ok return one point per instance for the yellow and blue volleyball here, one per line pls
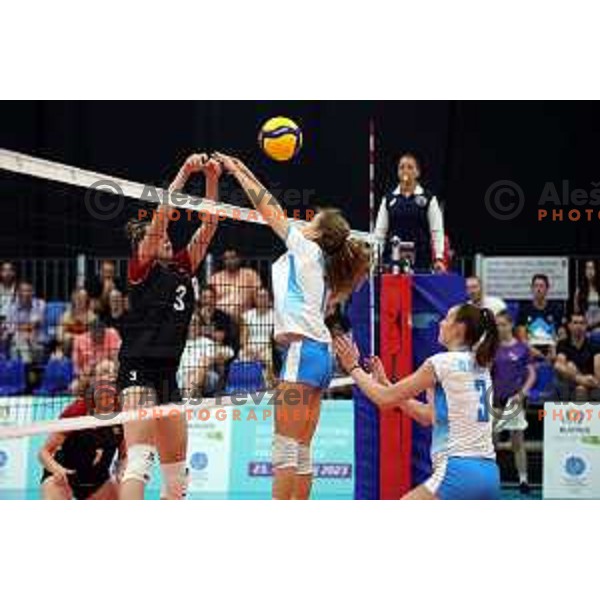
(280, 138)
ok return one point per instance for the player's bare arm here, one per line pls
(201, 239)
(264, 202)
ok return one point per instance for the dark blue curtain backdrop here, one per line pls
(465, 147)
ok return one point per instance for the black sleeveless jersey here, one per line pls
(89, 452)
(161, 303)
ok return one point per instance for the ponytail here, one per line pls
(347, 260)
(488, 345)
(481, 333)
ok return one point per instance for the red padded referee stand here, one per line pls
(396, 354)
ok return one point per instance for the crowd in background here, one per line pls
(233, 320)
(563, 335)
(549, 351)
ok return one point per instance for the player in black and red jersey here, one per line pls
(77, 464)
(161, 303)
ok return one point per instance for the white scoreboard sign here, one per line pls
(571, 450)
(510, 276)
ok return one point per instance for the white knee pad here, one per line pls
(285, 452)
(305, 466)
(140, 458)
(175, 477)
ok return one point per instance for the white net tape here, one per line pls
(257, 398)
(16, 162)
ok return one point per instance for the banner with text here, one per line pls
(509, 277)
(571, 451)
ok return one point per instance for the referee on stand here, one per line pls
(411, 214)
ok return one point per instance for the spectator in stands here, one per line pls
(99, 343)
(25, 325)
(8, 288)
(58, 371)
(202, 362)
(101, 286)
(236, 286)
(476, 297)
(578, 363)
(513, 376)
(116, 309)
(75, 320)
(539, 321)
(413, 215)
(56, 350)
(587, 297)
(216, 324)
(257, 333)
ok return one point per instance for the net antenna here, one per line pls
(372, 319)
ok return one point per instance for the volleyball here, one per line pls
(280, 138)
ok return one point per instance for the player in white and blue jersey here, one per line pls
(459, 389)
(322, 265)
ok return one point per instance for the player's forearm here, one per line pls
(157, 230)
(382, 395)
(422, 413)
(180, 179)
(202, 238)
(47, 460)
(260, 197)
(201, 241)
(212, 187)
(160, 220)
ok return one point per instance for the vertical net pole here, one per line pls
(372, 231)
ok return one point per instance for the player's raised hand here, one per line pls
(347, 352)
(213, 168)
(377, 370)
(229, 163)
(195, 163)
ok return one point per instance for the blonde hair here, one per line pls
(347, 260)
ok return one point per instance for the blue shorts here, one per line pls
(465, 478)
(308, 361)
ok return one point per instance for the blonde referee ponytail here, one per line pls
(347, 260)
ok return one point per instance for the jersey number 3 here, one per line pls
(483, 414)
(180, 292)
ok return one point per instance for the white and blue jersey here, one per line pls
(462, 450)
(300, 299)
